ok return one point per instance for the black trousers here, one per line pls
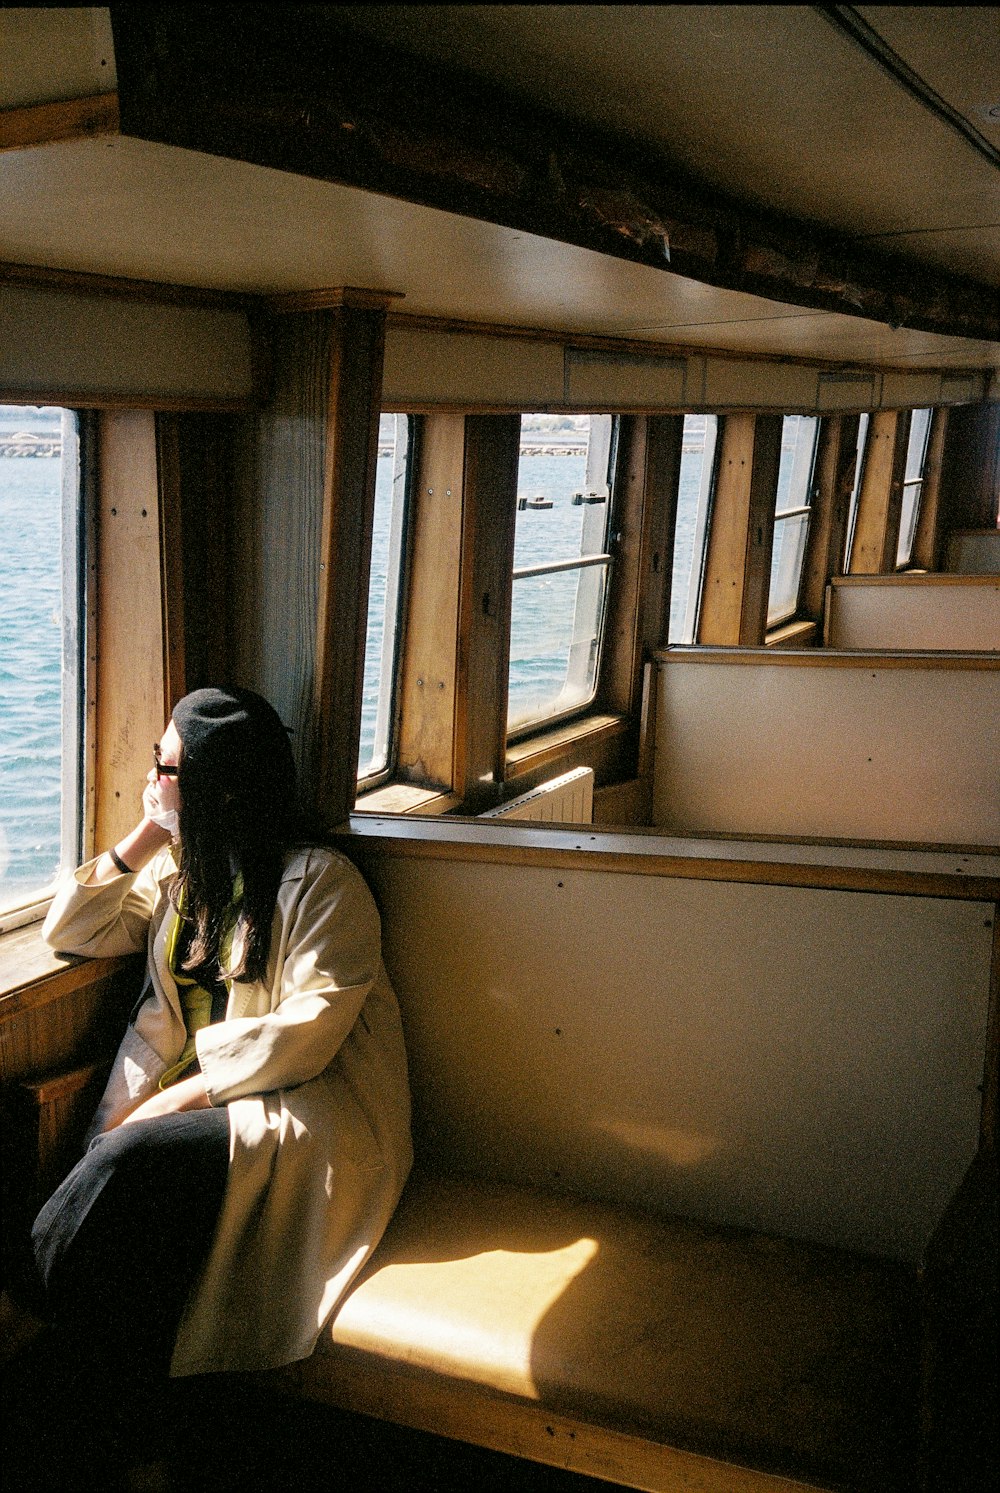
(109, 1263)
(118, 1244)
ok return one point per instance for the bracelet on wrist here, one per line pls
(125, 870)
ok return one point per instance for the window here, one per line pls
(562, 565)
(913, 481)
(40, 652)
(791, 515)
(384, 595)
(859, 467)
(694, 501)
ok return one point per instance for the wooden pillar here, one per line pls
(131, 704)
(301, 520)
(196, 471)
(926, 552)
(355, 324)
(491, 461)
(880, 502)
(835, 460)
(430, 641)
(738, 565)
(171, 558)
(645, 519)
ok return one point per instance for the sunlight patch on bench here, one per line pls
(443, 1316)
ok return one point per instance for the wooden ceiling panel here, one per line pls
(966, 251)
(771, 103)
(768, 102)
(954, 48)
(124, 207)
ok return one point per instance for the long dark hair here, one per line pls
(239, 816)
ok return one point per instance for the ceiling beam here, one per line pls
(290, 88)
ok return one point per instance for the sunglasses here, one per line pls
(163, 769)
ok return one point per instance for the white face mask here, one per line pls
(169, 821)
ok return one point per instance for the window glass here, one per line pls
(694, 500)
(384, 588)
(40, 669)
(561, 565)
(916, 453)
(859, 466)
(791, 514)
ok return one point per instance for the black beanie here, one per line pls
(229, 734)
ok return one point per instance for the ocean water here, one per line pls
(30, 672)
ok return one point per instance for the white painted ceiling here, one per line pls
(768, 102)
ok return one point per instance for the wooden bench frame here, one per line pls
(468, 1412)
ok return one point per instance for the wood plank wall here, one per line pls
(131, 705)
(824, 557)
(430, 642)
(277, 518)
(880, 501)
(737, 566)
(971, 468)
(66, 1018)
(491, 463)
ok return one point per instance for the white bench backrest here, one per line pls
(918, 612)
(828, 745)
(974, 552)
(795, 1060)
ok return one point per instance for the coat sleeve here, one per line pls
(331, 959)
(106, 919)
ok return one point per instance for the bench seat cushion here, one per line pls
(781, 1355)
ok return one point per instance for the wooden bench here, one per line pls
(854, 745)
(652, 1352)
(960, 613)
(668, 1230)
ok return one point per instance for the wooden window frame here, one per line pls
(77, 814)
(880, 500)
(428, 652)
(918, 483)
(604, 733)
(453, 747)
(925, 553)
(605, 559)
(809, 508)
(372, 781)
(733, 611)
(132, 608)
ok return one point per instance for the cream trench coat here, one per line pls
(311, 1066)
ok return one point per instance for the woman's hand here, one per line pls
(160, 796)
(161, 800)
(190, 1093)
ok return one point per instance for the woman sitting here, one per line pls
(253, 1139)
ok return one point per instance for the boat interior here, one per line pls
(697, 952)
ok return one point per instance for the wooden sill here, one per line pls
(32, 974)
(406, 798)
(965, 873)
(799, 634)
(535, 751)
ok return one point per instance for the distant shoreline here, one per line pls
(23, 444)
